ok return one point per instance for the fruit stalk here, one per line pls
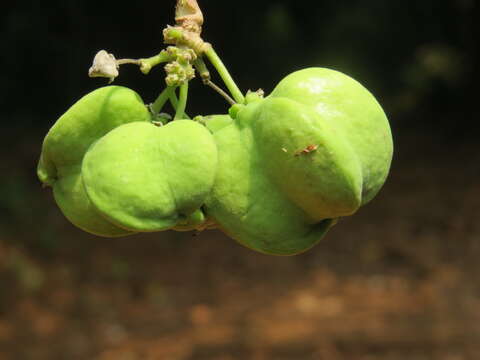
(218, 64)
(182, 102)
(158, 104)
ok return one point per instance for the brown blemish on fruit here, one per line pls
(306, 150)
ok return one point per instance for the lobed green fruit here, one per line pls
(248, 206)
(275, 175)
(147, 178)
(353, 114)
(65, 145)
(316, 149)
(326, 181)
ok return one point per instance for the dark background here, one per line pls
(399, 280)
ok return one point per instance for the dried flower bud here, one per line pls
(183, 55)
(177, 73)
(104, 65)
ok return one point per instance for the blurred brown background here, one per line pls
(399, 280)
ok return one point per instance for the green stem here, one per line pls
(174, 102)
(147, 64)
(225, 75)
(201, 68)
(182, 102)
(157, 106)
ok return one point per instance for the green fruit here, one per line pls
(353, 112)
(331, 140)
(275, 174)
(316, 149)
(148, 178)
(326, 181)
(65, 145)
(248, 206)
(215, 122)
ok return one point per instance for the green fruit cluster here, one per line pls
(274, 174)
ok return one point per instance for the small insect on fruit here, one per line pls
(306, 150)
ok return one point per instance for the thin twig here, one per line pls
(128, 61)
(220, 91)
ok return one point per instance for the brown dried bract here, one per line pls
(189, 16)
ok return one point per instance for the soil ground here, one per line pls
(399, 280)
